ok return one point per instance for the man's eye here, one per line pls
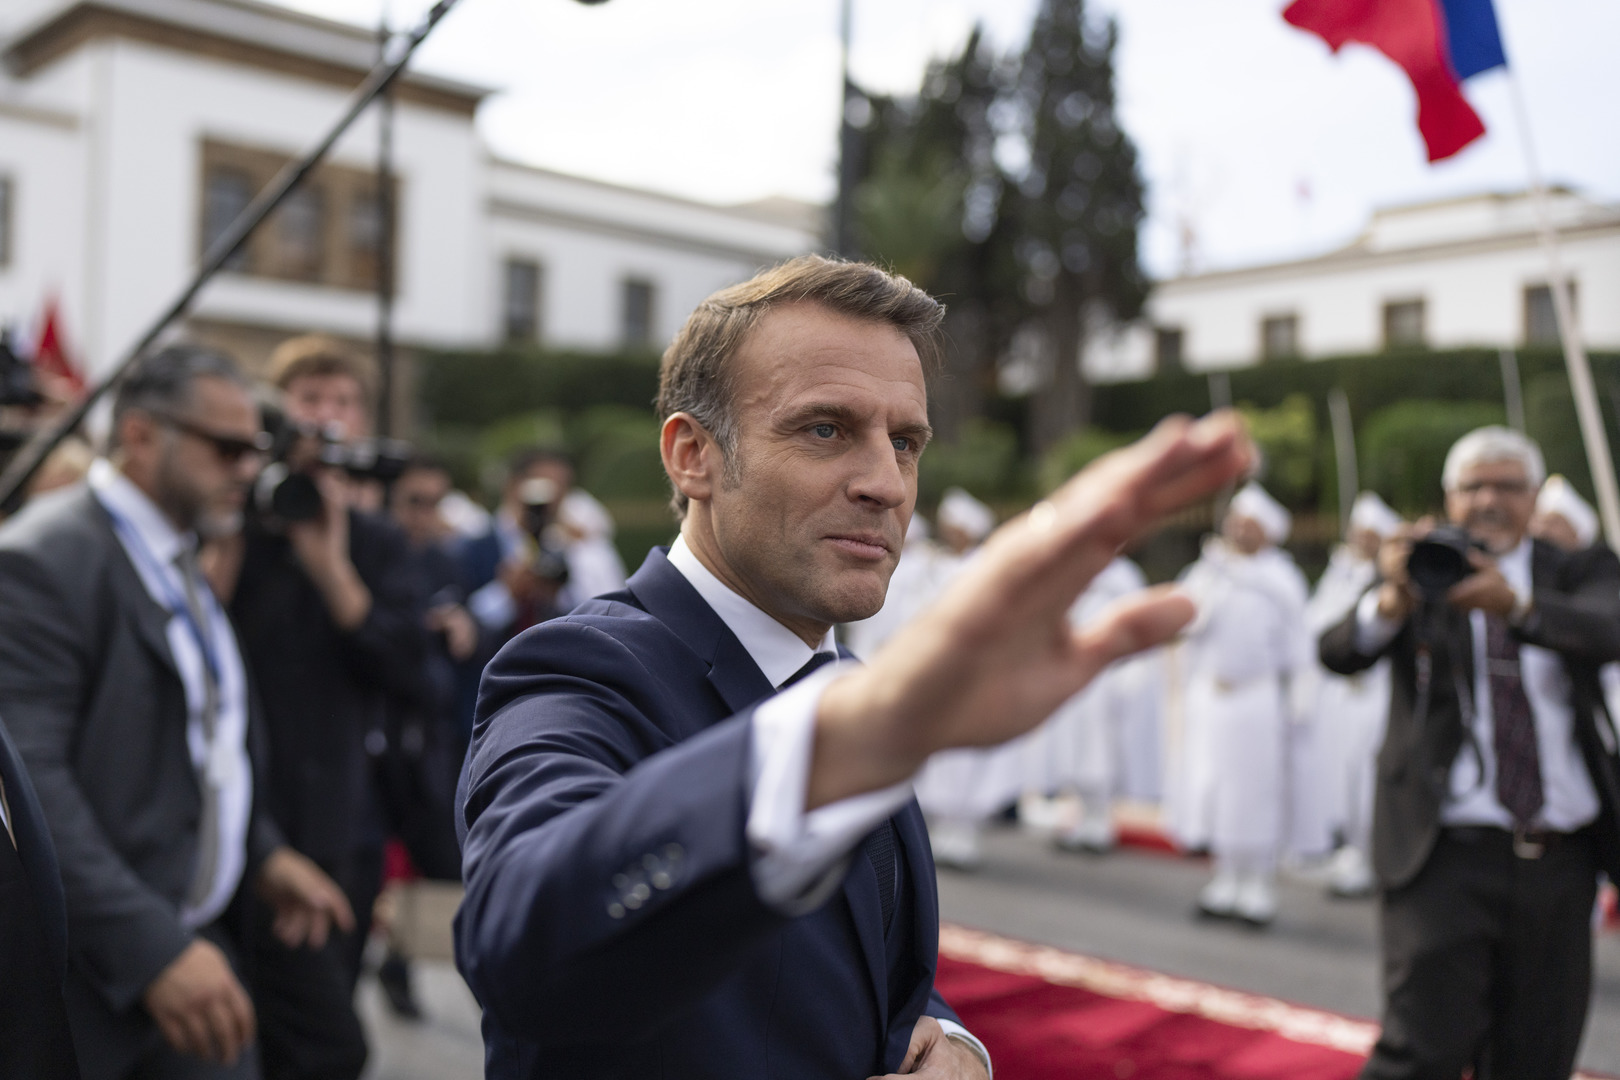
(824, 431)
(901, 443)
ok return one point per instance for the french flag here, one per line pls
(1439, 43)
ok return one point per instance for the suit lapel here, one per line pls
(36, 851)
(150, 620)
(667, 596)
(866, 911)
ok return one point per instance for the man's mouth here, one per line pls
(861, 545)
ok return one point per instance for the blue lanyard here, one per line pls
(175, 605)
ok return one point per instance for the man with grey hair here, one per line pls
(1498, 796)
(126, 694)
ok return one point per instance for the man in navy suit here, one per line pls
(34, 1037)
(685, 854)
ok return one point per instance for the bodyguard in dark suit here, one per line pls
(1498, 797)
(34, 1037)
(126, 695)
(690, 853)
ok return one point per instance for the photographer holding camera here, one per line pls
(329, 610)
(1498, 795)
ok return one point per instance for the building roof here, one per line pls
(1486, 221)
(240, 31)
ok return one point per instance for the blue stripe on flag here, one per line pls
(1471, 31)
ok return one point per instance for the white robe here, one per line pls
(1081, 746)
(1228, 789)
(968, 785)
(1348, 713)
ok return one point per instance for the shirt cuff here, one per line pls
(957, 1033)
(1373, 631)
(799, 857)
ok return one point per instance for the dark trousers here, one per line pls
(1487, 961)
(308, 1028)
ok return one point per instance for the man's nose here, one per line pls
(878, 478)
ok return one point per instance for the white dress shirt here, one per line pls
(800, 857)
(1570, 800)
(153, 544)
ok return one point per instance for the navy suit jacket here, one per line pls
(37, 854)
(611, 926)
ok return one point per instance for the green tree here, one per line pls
(1403, 448)
(930, 208)
(1078, 207)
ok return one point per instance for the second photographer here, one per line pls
(1498, 791)
(328, 608)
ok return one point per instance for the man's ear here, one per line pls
(691, 456)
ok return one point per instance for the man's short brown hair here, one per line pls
(319, 355)
(695, 375)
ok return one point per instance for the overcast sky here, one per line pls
(1252, 135)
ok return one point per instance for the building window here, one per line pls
(1403, 325)
(6, 199)
(520, 315)
(226, 193)
(1279, 337)
(1540, 319)
(365, 236)
(637, 317)
(1167, 345)
(299, 235)
(328, 231)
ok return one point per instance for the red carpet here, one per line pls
(1047, 1014)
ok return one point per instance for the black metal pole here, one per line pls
(14, 481)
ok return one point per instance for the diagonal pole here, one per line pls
(14, 481)
(1593, 435)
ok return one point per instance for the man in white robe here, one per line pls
(960, 789)
(1080, 749)
(1247, 643)
(1349, 713)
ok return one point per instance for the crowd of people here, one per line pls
(242, 662)
(236, 657)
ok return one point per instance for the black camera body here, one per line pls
(1440, 560)
(289, 493)
(539, 498)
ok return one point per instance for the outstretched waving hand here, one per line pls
(997, 653)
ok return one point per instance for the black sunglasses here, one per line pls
(229, 448)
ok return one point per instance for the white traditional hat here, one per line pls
(960, 510)
(1558, 496)
(1254, 503)
(580, 511)
(1372, 513)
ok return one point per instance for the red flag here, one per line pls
(1413, 34)
(51, 361)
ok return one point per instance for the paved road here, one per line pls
(1132, 907)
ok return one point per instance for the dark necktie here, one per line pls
(880, 845)
(811, 666)
(1518, 760)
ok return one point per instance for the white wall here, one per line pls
(1474, 295)
(590, 237)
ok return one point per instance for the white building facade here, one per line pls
(132, 131)
(1463, 272)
